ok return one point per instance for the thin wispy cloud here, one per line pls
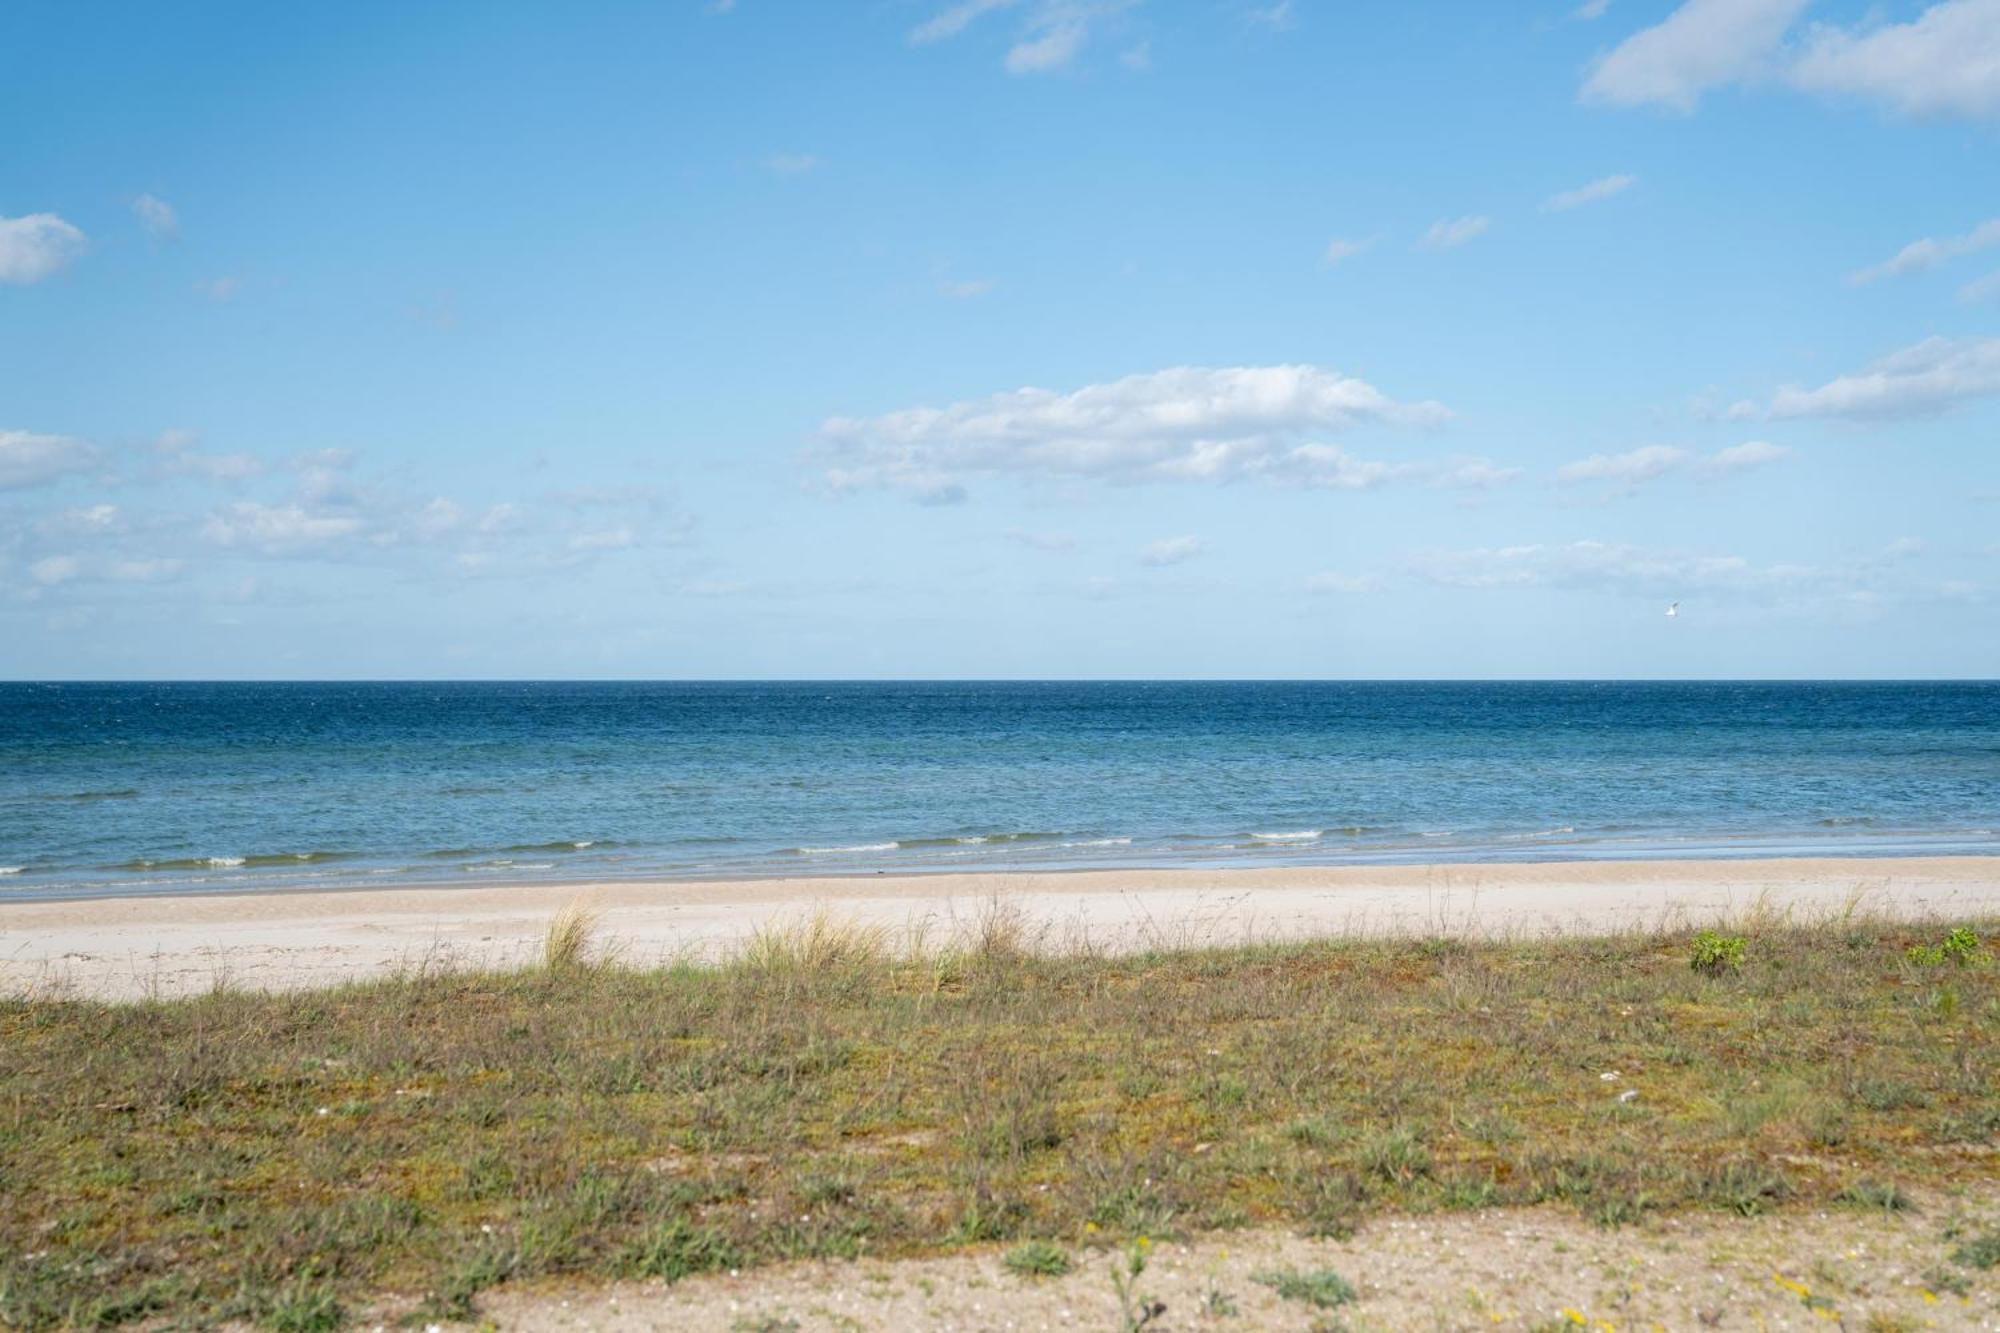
(1450, 233)
(964, 289)
(37, 246)
(1170, 551)
(947, 23)
(1050, 36)
(1626, 472)
(1339, 250)
(1920, 380)
(791, 164)
(1335, 583)
(1590, 10)
(1929, 253)
(1277, 17)
(1981, 289)
(157, 216)
(1602, 188)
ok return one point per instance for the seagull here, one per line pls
(1673, 610)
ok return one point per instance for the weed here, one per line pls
(1135, 1310)
(1037, 1258)
(674, 1250)
(566, 947)
(1715, 953)
(1878, 1196)
(1322, 1288)
(1981, 1251)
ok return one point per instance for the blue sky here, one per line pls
(1044, 338)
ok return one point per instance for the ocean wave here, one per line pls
(834, 851)
(1303, 835)
(121, 794)
(260, 861)
(562, 846)
(11, 870)
(1542, 833)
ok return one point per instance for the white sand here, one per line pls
(124, 948)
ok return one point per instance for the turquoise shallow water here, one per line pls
(110, 789)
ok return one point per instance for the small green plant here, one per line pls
(1321, 1288)
(1981, 1251)
(303, 1307)
(1716, 953)
(1135, 1310)
(1037, 1258)
(1961, 946)
(1397, 1156)
(673, 1250)
(1877, 1195)
(1217, 1303)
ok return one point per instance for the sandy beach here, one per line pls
(136, 947)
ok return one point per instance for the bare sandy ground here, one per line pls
(1522, 1269)
(134, 947)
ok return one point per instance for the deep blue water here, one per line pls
(134, 788)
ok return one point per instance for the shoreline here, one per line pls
(134, 947)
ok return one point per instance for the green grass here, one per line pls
(284, 1160)
(1322, 1288)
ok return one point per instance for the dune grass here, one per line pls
(403, 1145)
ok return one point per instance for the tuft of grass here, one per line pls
(566, 947)
(1980, 1250)
(1876, 1195)
(306, 1306)
(1715, 953)
(1321, 1288)
(817, 947)
(1037, 1258)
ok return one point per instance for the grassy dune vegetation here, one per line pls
(403, 1145)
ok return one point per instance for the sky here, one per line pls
(1000, 338)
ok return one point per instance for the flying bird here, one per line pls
(1674, 610)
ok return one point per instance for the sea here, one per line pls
(117, 789)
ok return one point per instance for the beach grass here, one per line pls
(396, 1148)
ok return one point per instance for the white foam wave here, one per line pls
(863, 847)
(1099, 842)
(11, 870)
(224, 862)
(1303, 835)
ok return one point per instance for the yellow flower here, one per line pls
(1574, 1317)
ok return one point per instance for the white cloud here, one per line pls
(605, 539)
(965, 289)
(1946, 61)
(28, 459)
(1277, 17)
(1589, 10)
(951, 22)
(791, 164)
(1626, 469)
(1602, 188)
(1170, 551)
(36, 246)
(1925, 378)
(157, 216)
(1190, 423)
(1703, 44)
(1051, 37)
(54, 569)
(287, 529)
(1450, 233)
(1749, 454)
(1470, 474)
(1620, 568)
(183, 459)
(1334, 582)
(1981, 289)
(1042, 541)
(1338, 249)
(1054, 45)
(1929, 252)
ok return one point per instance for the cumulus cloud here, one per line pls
(157, 216)
(1749, 454)
(181, 457)
(1602, 188)
(1170, 551)
(1450, 233)
(1930, 252)
(28, 459)
(37, 246)
(1702, 45)
(1917, 381)
(1190, 423)
(1945, 62)
(286, 529)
